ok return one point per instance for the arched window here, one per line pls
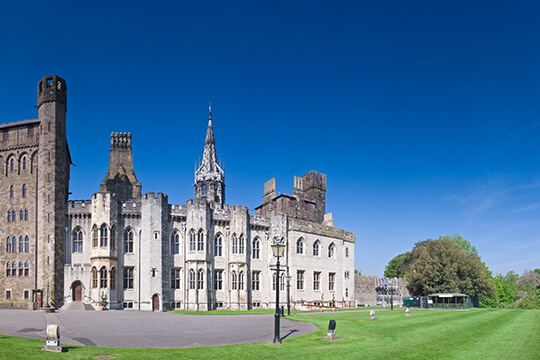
(21, 244)
(300, 246)
(26, 269)
(241, 281)
(241, 243)
(175, 242)
(21, 215)
(12, 164)
(192, 279)
(200, 240)
(13, 215)
(94, 278)
(8, 269)
(128, 241)
(316, 246)
(8, 245)
(24, 190)
(94, 236)
(11, 192)
(9, 215)
(103, 278)
(26, 214)
(218, 243)
(234, 244)
(282, 282)
(347, 274)
(103, 235)
(256, 248)
(77, 240)
(346, 252)
(14, 268)
(331, 250)
(26, 244)
(200, 279)
(21, 273)
(113, 278)
(113, 237)
(24, 162)
(192, 241)
(234, 280)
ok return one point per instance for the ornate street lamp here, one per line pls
(289, 277)
(278, 247)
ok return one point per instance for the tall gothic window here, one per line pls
(256, 248)
(94, 236)
(234, 280)
(218, 243)
(112, 276)
(24, 162)
(331, 281)
(8, 245)
(316, 246)
(331, 250)
(26, 269)
(234, 244)
(200, 279)
(11, 191)
(241, 281)
(103, 278)
(77, 240)
(192, 241)
(175, 242)
(103, 235)
(200, 240)
(300, 246)
(94, 278)
(192, 279)
(21, 244)
(241, 243)
(128, 241)
(24, 190)
(113, 237)
(26, 244)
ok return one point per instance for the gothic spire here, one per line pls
(210, 177)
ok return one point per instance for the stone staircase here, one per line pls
(78, 306)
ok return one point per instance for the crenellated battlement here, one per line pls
(120, 141)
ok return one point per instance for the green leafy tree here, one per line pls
(357, 272)
(440, 266)
(505, 291)
(390, 271)
(461, 243)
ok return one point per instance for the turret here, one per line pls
(209, 176)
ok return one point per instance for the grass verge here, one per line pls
(441, 334)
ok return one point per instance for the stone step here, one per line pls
(79, 306)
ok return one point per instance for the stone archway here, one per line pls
(76, 291)
(155, 302)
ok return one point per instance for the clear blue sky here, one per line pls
(424, 115)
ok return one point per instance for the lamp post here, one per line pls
(277, 248)
(289, 277)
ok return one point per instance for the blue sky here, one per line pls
(424, 115)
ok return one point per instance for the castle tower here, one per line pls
(120, 178)
(210, 177)
(53, 161)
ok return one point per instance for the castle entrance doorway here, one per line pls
(155, 302)
(76, 291)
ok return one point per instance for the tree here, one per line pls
(440, 266)
(505, 291)
(357, 272)
(390, 271)
(461, 243)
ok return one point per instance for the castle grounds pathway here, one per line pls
(148, 329)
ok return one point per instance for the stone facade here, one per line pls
(138, 251)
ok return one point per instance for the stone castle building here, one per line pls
(138, 251)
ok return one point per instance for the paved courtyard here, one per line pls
(148, 329)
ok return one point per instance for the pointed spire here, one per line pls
(209, 174)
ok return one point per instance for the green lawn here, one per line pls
(427, 334)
